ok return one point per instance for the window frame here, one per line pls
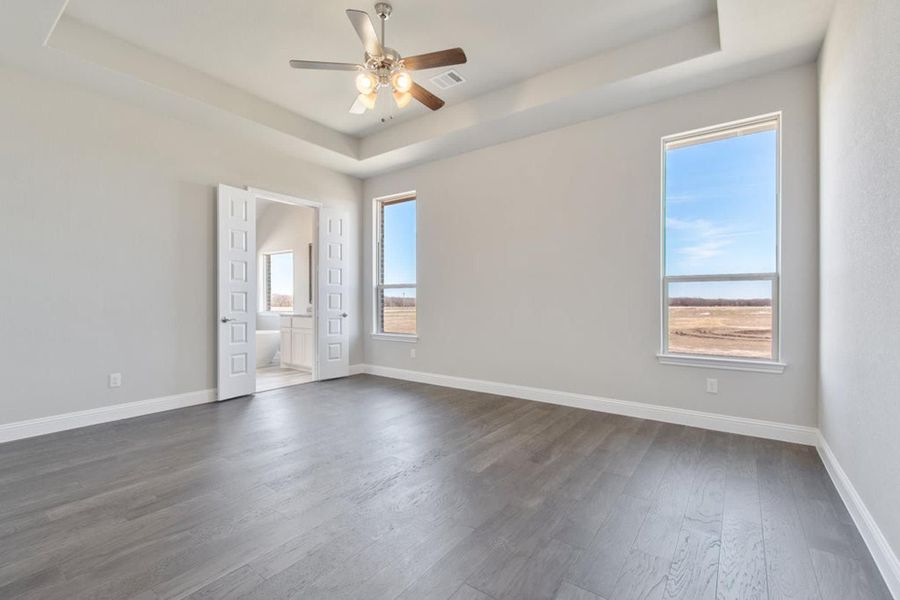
(764, 365)
(266, 283)
(378, 268)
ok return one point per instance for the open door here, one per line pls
(236, 321)
(334, 336)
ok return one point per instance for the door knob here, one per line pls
(344, 315)
(226, 319)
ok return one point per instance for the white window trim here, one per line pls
(377, 288)
(773, 365)
(396, 337)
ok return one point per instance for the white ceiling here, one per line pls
(248, 44)
(533, 65)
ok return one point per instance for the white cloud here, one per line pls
(709, 240)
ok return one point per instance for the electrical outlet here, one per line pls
(712, 386)
(412, 352)
(115, 380)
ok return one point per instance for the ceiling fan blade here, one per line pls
(357, 108)
(425, 97)
(324, 66)
(443, 58)
(366, 31)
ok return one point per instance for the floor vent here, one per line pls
(447, 79)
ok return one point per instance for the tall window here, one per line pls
(278, 272)
(721, 279)
(395, 277)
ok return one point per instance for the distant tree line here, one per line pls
(720, 302)
(282, 300)
(396, 301)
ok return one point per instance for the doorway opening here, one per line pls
(283, 285)
(286, 307)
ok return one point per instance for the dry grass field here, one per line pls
(399, 319)
(741, 331)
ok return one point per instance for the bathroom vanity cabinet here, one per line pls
(297, 341)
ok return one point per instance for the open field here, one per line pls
(741, 331)
(399, 319)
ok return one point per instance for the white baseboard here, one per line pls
(357, 369)
(44, 425)
(680, 416)
(887, 561)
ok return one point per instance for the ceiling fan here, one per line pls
(384, 67)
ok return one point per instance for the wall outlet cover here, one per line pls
(115, 380)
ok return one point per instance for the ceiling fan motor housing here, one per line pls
(383, 10)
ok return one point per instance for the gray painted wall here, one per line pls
(859, 409)
(538, 259)
(107, 246)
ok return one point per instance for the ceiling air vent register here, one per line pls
(447, 79)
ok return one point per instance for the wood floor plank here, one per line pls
(467, 592)
(742, 562)
(542, 573)
(379, 488)
(449, 573)
(789, 571)
(706, 503)
(233, 586)
(843, 578)
(599, 566)
(567, 591)
(693, 573)
(642, 578)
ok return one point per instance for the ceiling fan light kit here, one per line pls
(402, 98)
(384, 67)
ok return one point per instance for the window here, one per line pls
(278, 273)
(395, 266)
(720, 279)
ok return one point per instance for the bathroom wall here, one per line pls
(281, 227)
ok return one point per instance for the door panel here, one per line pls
(334, 337)
(236, 319)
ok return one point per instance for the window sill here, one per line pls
(395, 337)
(713, 362)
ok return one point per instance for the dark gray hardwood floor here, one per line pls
(374, 488)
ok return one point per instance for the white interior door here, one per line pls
(334, 336)
(236, 321)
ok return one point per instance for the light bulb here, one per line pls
(366, 82)
(402, 98)
(402, 81)
(368, 100)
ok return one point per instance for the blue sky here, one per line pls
(720, 213)
(400, 245)
(282, 272)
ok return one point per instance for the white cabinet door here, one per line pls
(297, 346)
(309, 351)
(285, 347)
(236, 319)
